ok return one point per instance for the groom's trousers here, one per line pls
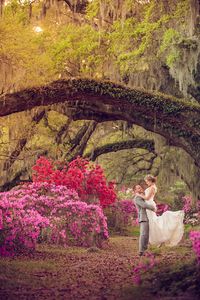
(144, 236)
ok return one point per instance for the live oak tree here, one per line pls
(177, 120)
(149, 44)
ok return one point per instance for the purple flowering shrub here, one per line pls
(128, 211)
(77, 223)
(45, 212)
(19, 227)
(195, 238)
(161, 208)
(121, 214)
(192, 212)
(142, 267)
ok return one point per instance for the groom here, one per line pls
(142, 205)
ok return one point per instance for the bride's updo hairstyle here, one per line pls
(151, 178)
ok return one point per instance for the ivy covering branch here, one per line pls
(175, 119)
(117, 146)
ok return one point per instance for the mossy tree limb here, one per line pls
(177, 120)
(62, 132)
(23, 141)
(123, 145)
(78, 6)
(81, 140)
(13, 182)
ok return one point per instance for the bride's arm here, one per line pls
(149, 195)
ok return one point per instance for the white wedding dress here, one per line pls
(167, 228)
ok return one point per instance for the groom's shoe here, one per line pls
(141, 253)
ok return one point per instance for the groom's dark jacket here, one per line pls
(142, 205)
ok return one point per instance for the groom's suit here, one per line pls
(143, 221)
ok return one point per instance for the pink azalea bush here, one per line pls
(121, 214)
(161, 208)
(127, 209)
(192, 215)
(187, 203)
(142, 267)
(124, 209)
(46, 212)
(1, 219)
(58, 207)
(20, 227)
(77, 223)
(188, 206)
(195, 238)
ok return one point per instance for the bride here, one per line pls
(167, 228)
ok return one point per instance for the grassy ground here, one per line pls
(77, 273)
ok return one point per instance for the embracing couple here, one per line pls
(156, 230)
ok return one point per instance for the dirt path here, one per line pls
(76, 273)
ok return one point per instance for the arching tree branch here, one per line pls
(62, 132)
(13, 182)
(80, 141)
(177, 120)
(23, 141)
(117, 146)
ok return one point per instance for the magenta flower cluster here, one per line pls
(161, 208)
(19, 227)
(50, 213)
(126, 209)
(195, 238)
(142, 267)
(192, 212)
(187, 203)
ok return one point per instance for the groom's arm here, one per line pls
(140, 202)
